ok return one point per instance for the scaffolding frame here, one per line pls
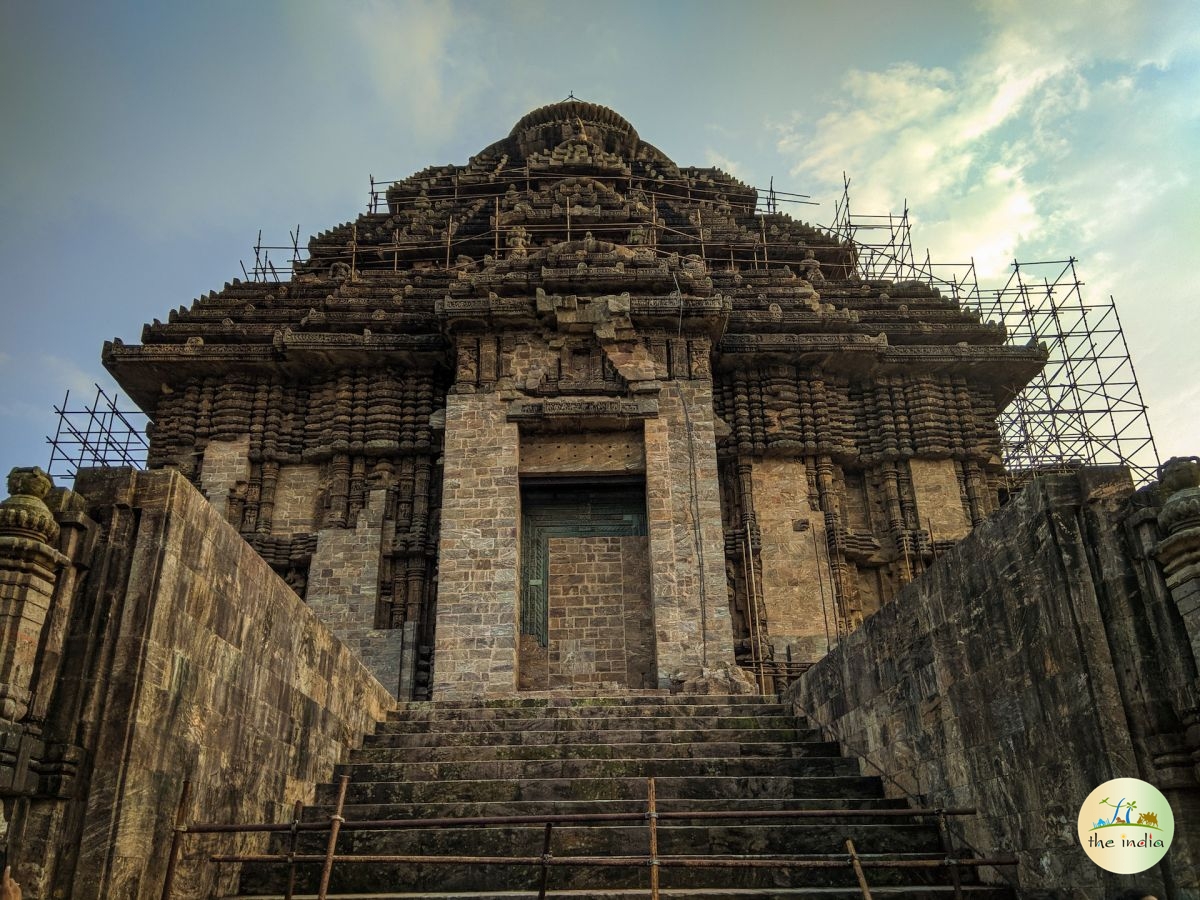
(1084, 407)
(101, 434)
(264, 268)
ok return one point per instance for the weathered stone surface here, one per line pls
(297, 493)
(1179, 551)
(687, 565)
(796, 594)
(589, 290)
(212, 672)
(553, 756)
(600, 625)
(477, 626)
(29, 561)
(1018, 674)
(343, 591)
(590, 453)
(939, 499)
(226, 465)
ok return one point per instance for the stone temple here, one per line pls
(572, 363)
(573, 422)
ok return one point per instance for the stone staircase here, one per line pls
(539, 755)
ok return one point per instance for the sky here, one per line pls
(145, 145)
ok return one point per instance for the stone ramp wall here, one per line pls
(211, 670)
(1017, 675)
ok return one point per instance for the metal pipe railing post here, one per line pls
(295, 840)
(177, 840)
(948, 849)
(858, 870)
(545, 862)
(652, 817)
(335, 825)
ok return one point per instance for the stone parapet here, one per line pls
(29, 561)
(180, 657)
(1034, 661)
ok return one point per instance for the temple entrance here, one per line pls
(586, 618)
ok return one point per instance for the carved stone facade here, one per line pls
(571, 310)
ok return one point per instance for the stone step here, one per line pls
(375, 753)
(555, 755)
(414, 877)
(654, 767)
(574, 701)
(918, 892)
(776, 838)
(566, 737)
(469, 809)
(607, 788)
(697, 725)
(437, 712)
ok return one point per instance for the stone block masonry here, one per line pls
(1035, 661)
(600, 626)
(343, 591)
(476, 638)
(296, 495)
(795, 584)
(687, 559)
(226, 463)
(205, 667)
(939, 505)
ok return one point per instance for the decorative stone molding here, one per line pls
(28, 572)
(25, 513)
(1179, 551)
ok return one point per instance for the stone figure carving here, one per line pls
(810, 267)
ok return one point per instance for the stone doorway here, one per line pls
(586, 617)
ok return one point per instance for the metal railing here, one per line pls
(654, 861)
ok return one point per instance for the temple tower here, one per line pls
(572, 417)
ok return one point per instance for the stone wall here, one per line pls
(186, 659)
(795, 587)
(1024, 669)
(687, 546)
(600, 626)
(476, 636)
(296, 499)
(226, 463)
(940, 507)
(343, 591)
(586, 453)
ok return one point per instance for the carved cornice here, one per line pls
(591, 409)
(25, 513)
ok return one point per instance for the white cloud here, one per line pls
(724, 163)
(410, 51)
(1071, 129)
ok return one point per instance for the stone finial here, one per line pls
(1179, 550)
(25, 513)
(1179, 482)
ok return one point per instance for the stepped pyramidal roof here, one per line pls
(573, 200)
(572, 304)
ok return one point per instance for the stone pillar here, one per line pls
(475, 644)
(28, 569)
(694, 635)
(343, 591)
(1179, 551)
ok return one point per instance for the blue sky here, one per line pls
(146, 144)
